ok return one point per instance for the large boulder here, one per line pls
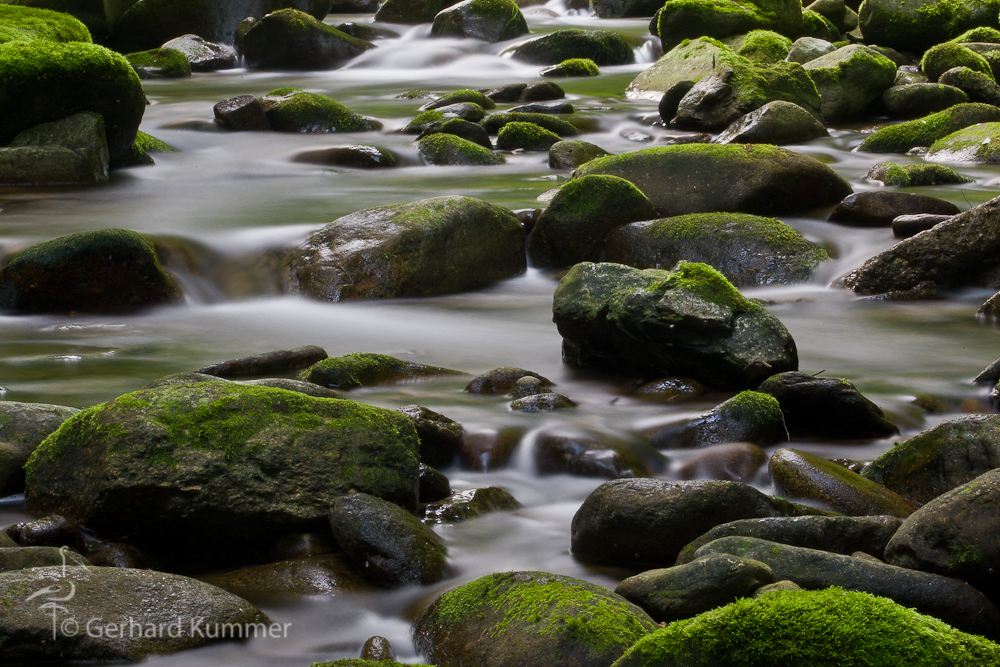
(432, 246)
(209, 465)
(777, 122)
(362, 369)
(688, 61)
(687, 19)
(612, 9)
(529, 618)
(23, 426)
(943, 57)
(976, 143)
(849, 79)
(488, 20)
(736, 178)
(690, 321)
(290, 39)
(71, 151)
(978, 87)
(292, 110)
(445, 149)
(749, 417)
(109, 270)
(110, 614)
(46, 81)
(604, 47)
(901, 137)
(28, 24)
(916, 25)
(203, 56)
(746, 249)
(915, 100)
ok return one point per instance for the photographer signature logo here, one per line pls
(54, 604)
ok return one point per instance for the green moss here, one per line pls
(816, 25)
(947, 15)
(360, 369)
(417, 94)
(914, 175)
(527, 136)
(925, 131)
(29, 24)
(765, 46)
(604, 47)
(448, 149)
(5, 423)
(551, 123)
(829, 628)
(150, 144)
(706, 283)
(701, 227)
(752, 407)
(975, 143)
(312, 113)
(286, 91)
(982, 34)
(160, 62)
(896, 176)
(942, 57)
(572, 67)
(964, 554)
(467, 95)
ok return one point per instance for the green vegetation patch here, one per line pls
(765, 46)
(925, 131)
(527, 136)
(573, 67)
(943, 57)
(28, 24)
(312, 113)
(707, 284)
(752, 407)
(466, 95)
(160, 62)
(551, 123)
(982, 34)
(449, 149)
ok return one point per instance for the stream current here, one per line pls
(236, 195)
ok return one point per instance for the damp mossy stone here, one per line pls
(292, 110)
(572, 67)
(765, 46)
(604, 47)
(976, 143)
(689, 19)
(463, 95)
(160, 63)
(526, 136)
(362, 369)
(818, 26)
(914, 174)
(943, 57)
(488, 20)
(446, 149)
(292, 39)
(494, 122)
(29, 24)
(901, 137)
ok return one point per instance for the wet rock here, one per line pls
(218, 466)
(763, 46)
(833, 534)
(21, 558)
(675, 72)
(71, 151)
(604, 47)
(942, 57)
(387, 544)
(572, 67)
(527, 386)
(300, 386)
(774, 123)
(23, 426)
(140, 153)
(464, 129)
(915, 174)
(510, 92)
(160, 64)
(746, 249)
(51, 81)
(267, 363)
(940, 459)
(813, 626)
(495, 122)
(439, 436)
(747, 417)
(646, 522)
(464, 505)
(328, 574)
(354, 157)
(952, 249)
(427, 120)
(362, 369)
(744, 178)
(669, 390)
(539, 107)
(299, 545)
(589, 456)
(242, 113)
(717, 18)
(905, 226)
(955, 534)
(809, 478)
(366, 32)
(541, 91)
(500, 619)
(432, 246)
(488, 450)
(849, 79)
(480, 19)
(805, 49)
(910, 27)
(683, 591)
(736, 462)
(977, 86)
(501, 380)
(826, 408)
(902, 137)
(434, 485)
(459, 96)
(291, 110)
(776, 587)
(920, 99)
(525, 136)
(118, 597)
(876, 208)
(604, 311)
(49, 531)
(119, 555)
(35, 22)
(977, 143)
(950, 600)
(448, 149)
(572, 154)
(110, 270)
(573, 227)
(378, 649)
(202, 55)
(542, 403)
(411, 12)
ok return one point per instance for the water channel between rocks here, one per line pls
(239, 194)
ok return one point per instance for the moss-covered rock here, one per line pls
(751, 178)
(576, 222)
(920, 99)
(435, 118)
(765, 47)
(139, 154)
(23, 426)
(30, 24)
(916, 25)
(488, 20)
(431, 246)
(525, 617)
(465, 505)
(976, 143)
(817, 26)
(733, 462)
(70, 151)
(181, 466)
(849, 79)
(46, 81)
(776, 123)
(562, 128)
(747, 417)
(466, 130)
(913, 174)
(526, 136)
(982, 34)
(688, 61)
(610, 316)
(572, 67)
(604, 47)
(323, 574)
(290, 39)
(688, 19)
(456, 96)
(925, 131)
(811, 628)
(746, 249)
(362, 369)
(411, 11)
(570, 154)
(117, 597)
(292, 110)
(101, 271)
(160, 63)
(941, 58)
(976, 85)
(448, 149)
(204, 56)
(545, 401)
(878, 208)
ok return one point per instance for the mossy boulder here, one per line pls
(775, 123)
(160, 63)
(976, 143)
(688, 19)
(576, 222)
(517, 618)
(363, 369)
(322, 574)
(916, 25)
(835, 534)
(46, 81)
(570, 154)
(811, 627)
(292, 110)
(810, 478)
(204, 56)
(488, 20)
(20, 558)
(71, 151)
(646, 522)
(110, 596)
(950, 600)
(432, 246)
(290, 39)
(572, 67)
(747, 417)
(110, 270)
(940, 459)
(446, 149)
(612, 317)
(182, 466)
(849, 79)
(464, 505)
(746, 249)
(817, 26)
(435, 118)
(976, 85)
(501, 380)
(955, 535)
(920, 99)
(941, 58)
(29, 24)
(23, 426)
(688, 61)
(612, 9)
(494, 122)
(914, 174)
(411, 12)
(765, 47)
(701, 178)
(464, 129)
(982, 34)
(878, 208)
(456, 96)
(925, 131)
(604, 47)
(525, 136)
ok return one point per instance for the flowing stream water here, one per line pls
(238, 194)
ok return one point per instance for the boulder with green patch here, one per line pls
(204, 56)
(71, 151)
(976, 85)
(764, 47)
(292, 110)
(139, 154)
(747, 417)
(914, 174)
(817, 26)
(444, 149)
(746, 249)
(688, 19)
(457, 96)
(494, 122)
(901, 137)
(432, 246)
(182, 466)
(23, 426)
(943, 57)
(775, 123)
(572, 67)
(435, 118)
(849, 79)
(488, 20)
(916, 25)
(604, 47)
(29, 24)
(688, 61)
(915, 100)
(525, 136)
(520, 618)
(976, 143)
(570, 154)
(363, 369)
(160, 64)
(290, 39)
(411, 12)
